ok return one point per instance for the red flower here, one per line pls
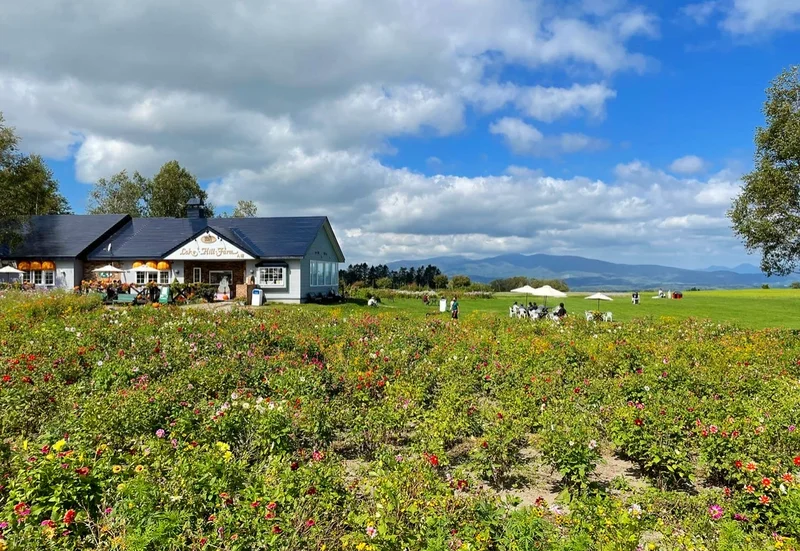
(271, 505)
(310, 522)
(294, 466)
(764, 500)
(255, 504)
(766, 482)
(577, 390)
(21, 508)
(751, 466)
(311, 491)
(638, 422)
(276, 529)
(462, 485)
(82, 471)
(499, 415)
(269, 515)
(797, 460)
(485, 444)
(69, 516)
(737, 464)
(788, 477)
(433, 460)
(749, 489)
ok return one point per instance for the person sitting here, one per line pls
(372, 302)
(425, 299)
(561, 311)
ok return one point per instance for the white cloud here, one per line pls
(701, 12)
(525, 139)
(762, 16)
(690, 164)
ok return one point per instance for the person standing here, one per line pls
(454, 308)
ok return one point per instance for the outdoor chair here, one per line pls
(589, 316)
(607, 316)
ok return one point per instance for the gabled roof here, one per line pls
(67, 235)
(145, 238)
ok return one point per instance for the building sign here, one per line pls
(209, 246)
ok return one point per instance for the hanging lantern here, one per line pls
(48, 265)
(153, 264)
(138, 264)
(36, 265)
(24, 265)
(163, 266)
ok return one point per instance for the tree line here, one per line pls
(28, 188)
(430, 277)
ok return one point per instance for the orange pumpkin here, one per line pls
(48, 265)
(138, 264)
(36, 265)
(153, 264)
(163, 266)
(24, 265)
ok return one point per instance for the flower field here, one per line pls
(294, 428)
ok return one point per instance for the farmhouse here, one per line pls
(288, 258)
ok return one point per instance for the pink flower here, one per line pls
(372, 531)
(317, 456)
(160, 433)
(716, 512)
(49, 523)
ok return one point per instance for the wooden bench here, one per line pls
(125, 298)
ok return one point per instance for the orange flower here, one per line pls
(764, 500)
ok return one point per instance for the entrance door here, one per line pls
(215, 277)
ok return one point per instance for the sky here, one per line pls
(611, 129)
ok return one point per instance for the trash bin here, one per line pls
(258, 297)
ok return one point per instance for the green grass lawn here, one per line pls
(755, 308)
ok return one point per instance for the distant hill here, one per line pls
(740, 269)
(589, 274)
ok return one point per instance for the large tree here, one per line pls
(120, 194)
(171, 189)
(245, 209)
(27, 188)
(766, 214)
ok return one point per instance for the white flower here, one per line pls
(234, 395)
(99, 363)
(571, 442)
(592, 444)
(556, 510)
(635, 510)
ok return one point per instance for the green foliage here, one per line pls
(766, 215)
(171, 189)
(302, 427)
(245, 209)
(440, 281)
(120, 194)
(460, 282)
(27, 188)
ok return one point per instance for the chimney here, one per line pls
(195, 208)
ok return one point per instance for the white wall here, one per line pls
(289, 294)
(68, 273)
(321, 249)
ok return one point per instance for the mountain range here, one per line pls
(584, 274)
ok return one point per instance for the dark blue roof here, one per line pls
(261, 237)
(68, 235)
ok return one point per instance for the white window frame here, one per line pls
(266, 276)
(323, 274)
(140, 278)
(164, 277)
(152, 277)
(227, 272)
(197, 275)
(40, 277)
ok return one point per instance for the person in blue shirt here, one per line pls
(454, 308)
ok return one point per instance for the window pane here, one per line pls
(140, 278)
(152, 276)
(165, 278)
(26, 277)
(37, 277)
(328, 273)
(313, 272)
(198, 275)
(49, 278)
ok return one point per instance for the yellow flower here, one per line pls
(120, 487)
(223, 447)
(58, 446)
(228, 456)
(116, 469)
(3, 545)
(49, 456)
(138, 468)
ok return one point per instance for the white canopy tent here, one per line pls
(598, 297)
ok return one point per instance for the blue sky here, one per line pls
(612, 129)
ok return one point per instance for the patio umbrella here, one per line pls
(10, 270)
(108, 269)
(524, 290)
(547, 291)
(144, 268)
(598, 297)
